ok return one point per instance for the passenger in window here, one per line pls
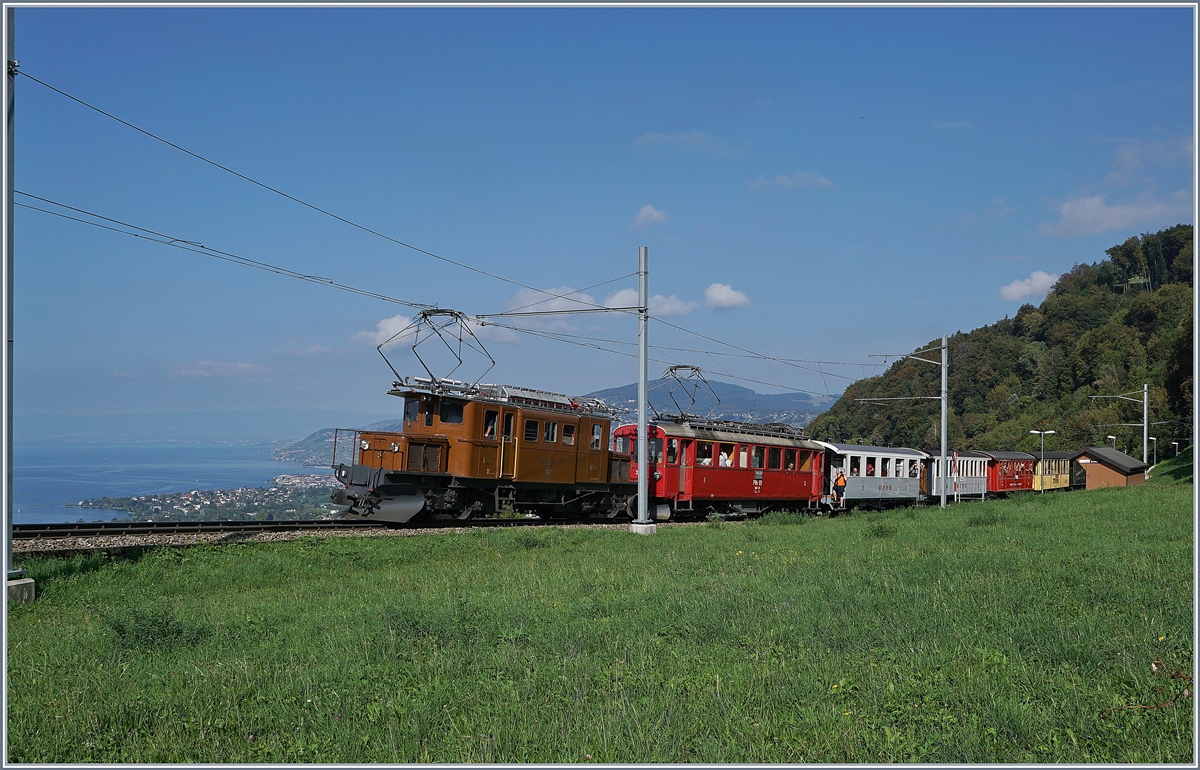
(489, 425)
(725, 461)
(870, 468)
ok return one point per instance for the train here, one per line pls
(472, 451)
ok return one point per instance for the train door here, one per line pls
(685, 466)
(508, 443)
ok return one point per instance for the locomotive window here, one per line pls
(774, 457)
(789, 459)
(596, 435)
(451, 412)
(756, 458)
(428, 413)
(886, 467)
(489, 423)
(551, 435)
(654, 448)
(855, 465)
(508, 425)
(672, 451)
(704, 453)
(569, 435)
(531, 430)
(412, 408)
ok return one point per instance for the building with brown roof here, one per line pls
(1106, 467)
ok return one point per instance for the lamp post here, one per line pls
(1176, 445)
(1114, 440)
(1155, 448)
(1043, 433)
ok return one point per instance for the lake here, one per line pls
(49, 476)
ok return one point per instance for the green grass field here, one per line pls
(1028, 630)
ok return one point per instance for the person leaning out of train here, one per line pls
(839, 488)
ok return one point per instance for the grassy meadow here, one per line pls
(1026, 630)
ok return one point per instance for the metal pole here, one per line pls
(1145, 422)
(10, 102)
(1043, 435)
(643, 455)
(945, 406)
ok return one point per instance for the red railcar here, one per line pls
(1009, 471)
(701, 466)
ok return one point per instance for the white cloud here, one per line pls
(385, 330)
(723, 295)
(1036, 285)
(648, 215)
(219, 369)
(791, 181)
(659, 305)
(953, 124)
(1134, 155)
(688, 140)
(1091, 215)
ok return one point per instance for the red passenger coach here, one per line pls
(701, 466)
(1009, 471)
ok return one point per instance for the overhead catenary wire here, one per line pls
(199, 248)
(594, 346)
(294, 199)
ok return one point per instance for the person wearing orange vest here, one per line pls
(839, 489)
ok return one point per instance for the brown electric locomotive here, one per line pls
(485, 450)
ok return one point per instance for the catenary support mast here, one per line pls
(945, 411)
(10, 101)
(643, 455)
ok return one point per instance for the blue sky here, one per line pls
(817, 184)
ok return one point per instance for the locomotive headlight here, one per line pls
(365, 445)
(657, 476)
(395, 447)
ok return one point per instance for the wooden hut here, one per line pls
(1106, 467)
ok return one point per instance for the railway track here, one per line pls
(126, 528)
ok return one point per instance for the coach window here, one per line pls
(725, 455)
(451, 412)
(569, 435)
(596, 430)
(914, 469)
(871, 468)
(531, 430)
(704, 453)
(672, 451)
(756, 458)
(551, 431)
(885, 467)
(508, 425)
(489, 423)
(412, 408)
(742, 452)
(789, 459)
(774, 458)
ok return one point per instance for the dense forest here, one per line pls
(1104, 329)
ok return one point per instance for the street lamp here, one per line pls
(1043, 433)
(1114, 440)
(1155, 448)
(1176, 445)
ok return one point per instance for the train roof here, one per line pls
(505, 394)
(996, 455)
(727, 431)
(867, 449)
(1057, 454)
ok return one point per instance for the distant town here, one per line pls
(304, 496)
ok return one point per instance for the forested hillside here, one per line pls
(1104, 329)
